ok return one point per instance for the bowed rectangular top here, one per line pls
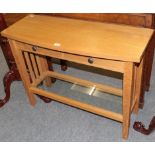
(96, 39)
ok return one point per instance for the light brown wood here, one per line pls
(39, 64)
(35, 68)
(84, 106)
(103, 40)
(134, 103)
(87, 83)
(127, 97)
(22, 70)
(134, 86)
(30, 69)
(39, 80)
(112, 47)
(44, 66)
(117, 66)
(138, 84)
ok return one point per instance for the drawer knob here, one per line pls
(34, 48)
(90, 60)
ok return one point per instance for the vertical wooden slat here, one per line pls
(39, 64)
(17, 53)
(28, 62)
(127, 97)
(45, 68)
(35, 68)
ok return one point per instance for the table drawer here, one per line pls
(87, 60)
(95, 62)
(39, 50)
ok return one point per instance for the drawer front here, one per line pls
(117, 66)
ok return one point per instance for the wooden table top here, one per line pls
(102, 40)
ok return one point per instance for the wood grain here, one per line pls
(117, 66)
(22, 70)
(103, 40)
(138, 86)
(127, 97)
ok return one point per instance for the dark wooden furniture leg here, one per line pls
(63, 64)
(141, 104)
(142, 95)
(12, 75)
(138, 126)
(149, 68)
(148, 63)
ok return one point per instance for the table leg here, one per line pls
(45, 67)
(139, 80)
(22, 70)
(144, 75)
(127, 97)
(149, 69)
(50, 67)
(141, 104)
(148, 62)
(12, 75)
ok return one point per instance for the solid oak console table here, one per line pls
(113, 47)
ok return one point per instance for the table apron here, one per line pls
(117, 66)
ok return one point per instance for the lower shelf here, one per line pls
(84, 97)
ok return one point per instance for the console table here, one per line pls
(109, 46)
(141, 20)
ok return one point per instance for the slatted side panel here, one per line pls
(33, 64)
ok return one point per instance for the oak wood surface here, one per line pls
(117, 66)
(127, 97)
(30, 69)
(104, 40)
(138, 85)
(31, 30)
(22, 70)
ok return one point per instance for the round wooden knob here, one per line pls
(34, 48)
(90, 60)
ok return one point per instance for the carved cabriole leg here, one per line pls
(139, 70)
(12, 75)
(138, 126)
(22, 70)
(127, 97)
